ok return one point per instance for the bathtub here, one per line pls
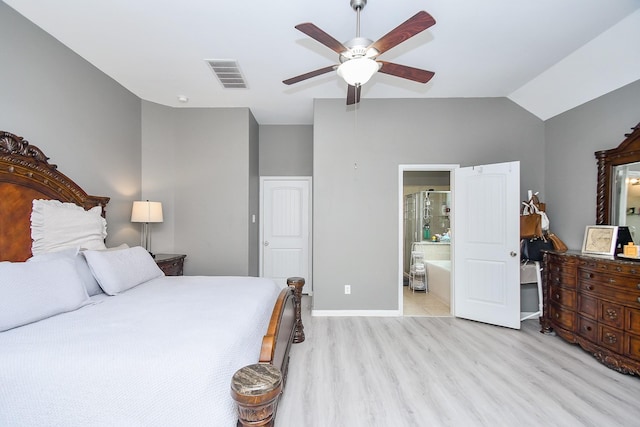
(439, 279)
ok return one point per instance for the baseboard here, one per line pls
(526, 315)
(355, 313)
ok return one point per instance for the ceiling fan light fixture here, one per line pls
(358, 71)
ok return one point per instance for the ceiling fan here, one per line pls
(358, 56)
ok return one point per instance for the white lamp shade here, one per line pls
(146, 212)
(357, 71)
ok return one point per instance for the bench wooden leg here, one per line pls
(256, 389)
(298, 284)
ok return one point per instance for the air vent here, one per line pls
(228, 73)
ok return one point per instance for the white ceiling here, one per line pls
(492, 48)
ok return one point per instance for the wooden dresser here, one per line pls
(595, 303)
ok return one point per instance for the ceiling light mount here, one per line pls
(358, 4)
(359, 46)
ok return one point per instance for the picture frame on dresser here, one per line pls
(600, 240)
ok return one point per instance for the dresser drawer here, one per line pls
(632, 320)
(562, 296)
(562, 263)
(562, 317)
(632, 345)
(611, 314)
(588, 328)
(617, 281)
(611, 293)
(559, 278)
(588, 306)
(611, 338)
(608, 266)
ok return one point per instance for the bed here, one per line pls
(142, 349)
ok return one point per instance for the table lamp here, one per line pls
(147, 213)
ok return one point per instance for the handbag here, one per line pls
(533, 207)
(533, 249)
(542, 207)
(558, 245)
(530, 226)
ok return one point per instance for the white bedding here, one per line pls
(160, 354)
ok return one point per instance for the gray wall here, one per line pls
(286, 150)
(254, 197)
(572, 138)
(205, 170)
(84, 121)
(160, 146)
(356, 160)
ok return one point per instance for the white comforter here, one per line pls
(160, 354)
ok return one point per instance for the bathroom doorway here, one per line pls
(425, 245)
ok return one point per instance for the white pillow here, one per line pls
(56, 226)
(89, 282)
(119, 270)
(31, 291)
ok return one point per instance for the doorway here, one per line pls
(425, 195)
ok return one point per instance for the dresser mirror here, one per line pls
(618, 191)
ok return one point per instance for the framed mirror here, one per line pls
(618, 191)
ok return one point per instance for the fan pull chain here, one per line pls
(356, 147)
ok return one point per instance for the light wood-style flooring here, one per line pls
(445, 371)
(423, 304)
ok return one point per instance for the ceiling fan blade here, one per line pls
(405, 72)
(319, 35)
(308, 75)
(409, 28)
(353, 94)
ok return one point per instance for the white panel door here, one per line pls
(486, 229)
(286, 225)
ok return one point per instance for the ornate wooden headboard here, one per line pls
(25, 175)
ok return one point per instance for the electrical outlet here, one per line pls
(347, 289)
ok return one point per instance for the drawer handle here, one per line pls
(588, 287)
(612, 314)
(588, 275)
(610, 338)
(633, 271)
(557, 315)
(618, 269)
(588, 328)
(612, 280)
(557, 296)
(638, 286)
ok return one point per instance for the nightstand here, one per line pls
(171, 264)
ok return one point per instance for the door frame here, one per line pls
(308, 286)
(417, 168)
